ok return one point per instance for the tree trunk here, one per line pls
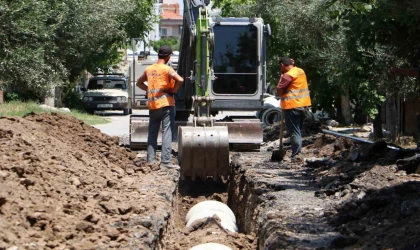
(377, 124)
(392, 117)
(345, 105)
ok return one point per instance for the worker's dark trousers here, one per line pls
(166, 117)
(294, 120)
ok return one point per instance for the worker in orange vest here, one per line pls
(162, 83)
(294, 92)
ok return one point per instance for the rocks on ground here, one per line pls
(344, 195)
(65, 185)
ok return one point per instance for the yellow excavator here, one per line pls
(223, 61)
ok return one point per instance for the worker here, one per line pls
(295, 101)
(162, 83)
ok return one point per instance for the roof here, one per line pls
(169, 15)
(170, 11)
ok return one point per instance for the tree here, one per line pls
(172, 42)
(45, 41)
(337, 44)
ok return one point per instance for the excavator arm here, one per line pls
(203, 149)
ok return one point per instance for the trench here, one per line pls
(235, 193)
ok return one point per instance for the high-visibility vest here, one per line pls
(159, 86)
(297, 93)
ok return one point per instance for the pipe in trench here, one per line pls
(206, 209)
(356, 138)
(210, 246)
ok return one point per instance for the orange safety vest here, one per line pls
(159, 84)
(297, 93)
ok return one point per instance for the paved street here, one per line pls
(119, 125)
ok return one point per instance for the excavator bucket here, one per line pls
(203, 152)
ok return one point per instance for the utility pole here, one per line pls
(133, 44)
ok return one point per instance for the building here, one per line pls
(170, 24)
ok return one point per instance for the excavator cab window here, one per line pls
(235, 59)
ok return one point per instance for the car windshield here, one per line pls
(106, 84)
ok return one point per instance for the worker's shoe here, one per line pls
(167, 165)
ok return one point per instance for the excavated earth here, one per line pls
(65, 185)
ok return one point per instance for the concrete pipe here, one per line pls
(225, 220)
(210, 205)
(210, 246)
(207, 209)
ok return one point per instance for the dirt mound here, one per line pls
(63, 184)
(377, 202)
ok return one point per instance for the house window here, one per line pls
(163, 32)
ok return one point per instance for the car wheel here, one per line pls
(126, 111)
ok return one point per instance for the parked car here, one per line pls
(153, 56)
(143, 55)
(106, 92)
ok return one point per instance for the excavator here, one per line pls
(223, 62)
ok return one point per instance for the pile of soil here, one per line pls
(376, 192)
(65, 185)
(373, 190)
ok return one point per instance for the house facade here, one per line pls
(170, 24)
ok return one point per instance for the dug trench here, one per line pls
(65, 185)
(274, 205)
(344, 195)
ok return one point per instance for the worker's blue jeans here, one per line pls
(294, 120)
(166, 117)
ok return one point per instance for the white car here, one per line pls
(106, 92)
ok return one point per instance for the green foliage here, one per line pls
(72, 99)
(16, 108)
(172, 42)
(11, 97)
(43, 42)
(341, 43)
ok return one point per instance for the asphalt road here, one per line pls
(119, 125)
